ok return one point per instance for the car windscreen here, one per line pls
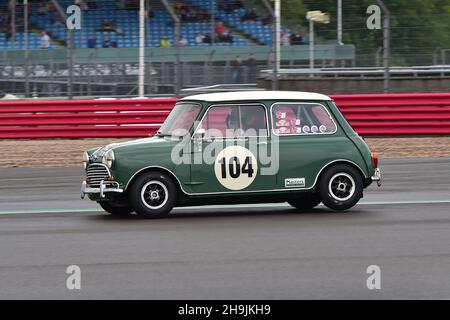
(180, 120)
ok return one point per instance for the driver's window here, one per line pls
(218, 121)
(235, 121)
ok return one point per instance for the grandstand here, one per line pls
(112, 69)
(159, 25)
(256, 30)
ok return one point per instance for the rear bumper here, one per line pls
(105, 187)
(377, 176)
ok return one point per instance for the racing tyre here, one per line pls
(340, 187)
(306, 202)
(116, 210)
(153, 195)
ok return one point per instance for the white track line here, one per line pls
(398, 202)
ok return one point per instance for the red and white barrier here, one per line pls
(369, 114)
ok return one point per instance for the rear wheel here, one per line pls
(115, 209)
(340, 187)
(305, 202)
(153, 195)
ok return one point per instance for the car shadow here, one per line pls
(199, 213)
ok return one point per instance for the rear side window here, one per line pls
(301, 118)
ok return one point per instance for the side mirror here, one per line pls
(200, 133)
(198, 138)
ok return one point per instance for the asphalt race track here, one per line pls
(228, 252)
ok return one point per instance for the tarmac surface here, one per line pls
(228, 252)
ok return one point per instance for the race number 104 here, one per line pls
(245, 309)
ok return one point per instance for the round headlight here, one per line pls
(108, 158)
(85, 159)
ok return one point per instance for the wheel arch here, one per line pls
(337, 162)
(166, 171)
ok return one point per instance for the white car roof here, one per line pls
(257, 95)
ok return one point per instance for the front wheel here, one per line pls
(116, 210)
(340, 187)
(153, 195)
(305, 202)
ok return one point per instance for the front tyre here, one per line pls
(340, 187)
(116, 210)
(306, 202)
(153, 195)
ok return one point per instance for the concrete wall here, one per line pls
(359, 85)
(329, 52)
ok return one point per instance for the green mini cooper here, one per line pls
(234, 148)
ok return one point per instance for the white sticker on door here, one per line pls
(235, 167)
(294, 182)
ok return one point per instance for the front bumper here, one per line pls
(105, 187)
(377, 176)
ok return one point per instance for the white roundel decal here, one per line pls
(235, 167)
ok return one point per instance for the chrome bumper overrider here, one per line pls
(105, 187)
(377, 176)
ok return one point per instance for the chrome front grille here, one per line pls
(96, 172)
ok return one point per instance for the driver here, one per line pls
(253, 120)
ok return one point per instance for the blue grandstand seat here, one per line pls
(127, 20)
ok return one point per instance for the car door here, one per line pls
(231, 155)
(308, 139)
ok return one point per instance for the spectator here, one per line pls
(225, 5)
(220, 29)
(45, 40)
(227, 38)
(230, 5)
(44, 9)
(106, 42)
(285, 38)
(110, 26)
(251, 68)
(296, 39)
(204, 16)
(91, 4)
(191, 15)
(222, 33)
(164, 43)
(82, 4)
(92, 42)
(131, 4)
(183, 42)
(249, 15)
(106, 26)
(150, 13)
(207, 39)
(237, 65)
(115, 27)
(199, 38)
(268, 19)
(178, 6)
(57, 20)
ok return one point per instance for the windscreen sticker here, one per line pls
(235, 167)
